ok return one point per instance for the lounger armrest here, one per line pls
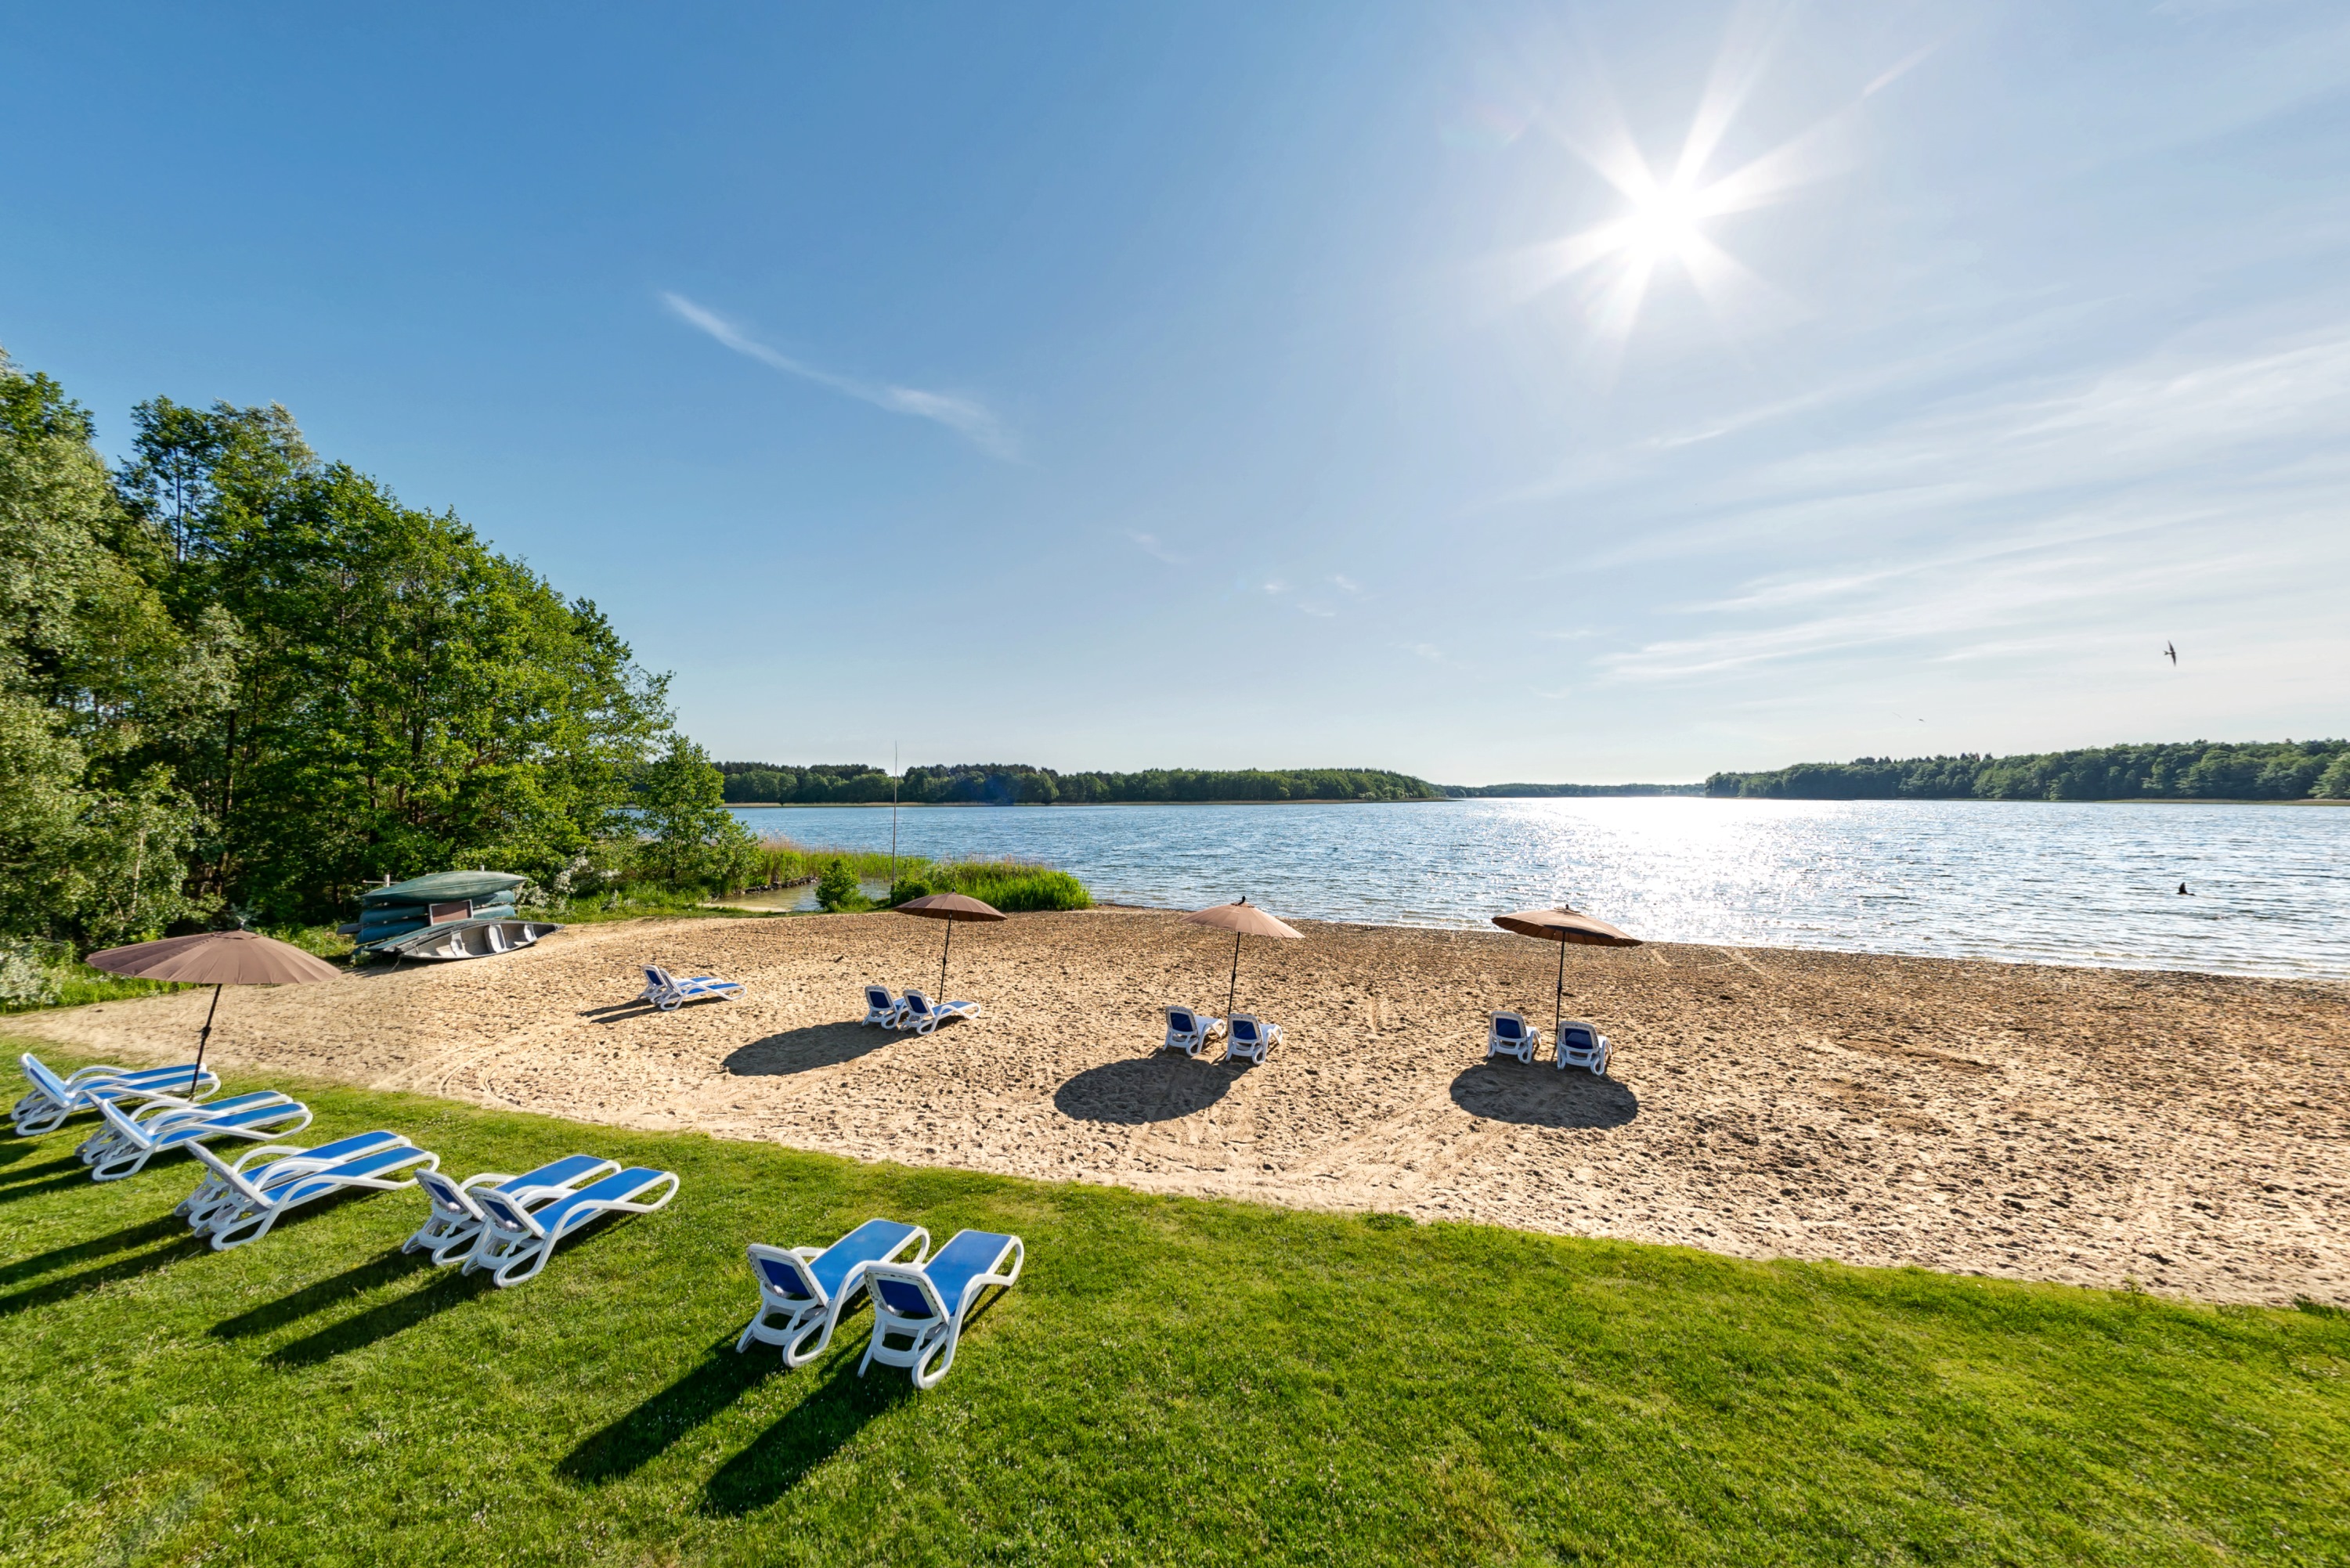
(267, 1151)
(806, 1254)
(971, 1292)
(491, 1176)
(91, 1074)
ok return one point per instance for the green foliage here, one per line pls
(2178, 771)
(233, 674)
(836, 889)
(1011, 885)
(690, 838)
(909, 888)
(1017, 783)
(1172, 1380)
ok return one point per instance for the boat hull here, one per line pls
(457, 939)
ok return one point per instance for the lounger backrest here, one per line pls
(784, 1274)
(235, 1178)
(1181, 1022)
(446, 1195)
(917, 1002)
(657, 978)
(878, 998)
(505, 1212)
(1578, 1038)
(1508, 1027)
(41, 1078)
(1245, 1028)
(906, 1290)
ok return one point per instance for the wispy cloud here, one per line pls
(967, 417)
(1150, 545)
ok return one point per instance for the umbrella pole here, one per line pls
(1558, 1000)
(943, 961)
(1233, 988)
(201, 1041)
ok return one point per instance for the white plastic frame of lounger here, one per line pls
(1572, 1053)
(263, 1207)
(792, 1285)
(1191, 1030)
(159, 1115)
(52, 1098)
(129, 1146)
(271, 1166)
(931, 1332)
(515, 1241)
(1519, 1038)
(455, 1224)
(921, 1014)
(668, 992)
(882, 1008)
(1252, 1041)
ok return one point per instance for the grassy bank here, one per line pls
(1172, 1381)
(1016, 886)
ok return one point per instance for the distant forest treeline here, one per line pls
(1538, 790)
(1016, 784)
(2259, 770)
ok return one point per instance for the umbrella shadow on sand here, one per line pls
(1141, 1089)
(806, 1050)
(1542, 1096)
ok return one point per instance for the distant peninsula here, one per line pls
(1017, 783)
(2178, 770)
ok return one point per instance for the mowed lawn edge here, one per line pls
(1173, 1380)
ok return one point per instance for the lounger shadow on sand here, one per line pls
(1501, 1090)
(806, 1050)
(1137, 1090)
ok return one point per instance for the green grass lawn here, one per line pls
(1172, 1381)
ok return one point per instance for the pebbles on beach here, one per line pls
(2186, 1132)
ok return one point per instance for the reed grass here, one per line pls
(1014, 886)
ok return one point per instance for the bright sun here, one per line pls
(1664, 223)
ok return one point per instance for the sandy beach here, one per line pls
(2183, 1131)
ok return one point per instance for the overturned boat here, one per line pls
(467, 939)
(447, 915)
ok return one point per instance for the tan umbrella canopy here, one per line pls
(953, 908)
(215, 958)
(1563, 926)
(1242, 918)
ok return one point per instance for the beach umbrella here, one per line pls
(215, 958)
(953, 908)
(1563, 926)
(1242, 918)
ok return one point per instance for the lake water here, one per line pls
(2269, 885)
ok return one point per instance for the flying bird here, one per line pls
(2170, 652)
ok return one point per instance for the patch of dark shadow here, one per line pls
(804, 1050)
(22, 1148)
(606, 1014)
(78, 1176)
(1540, 1096)
(645, 1433)
(47, 1168)
(811, 1432)
(88, 1280)
(318, 1297)
(122, 1240)
(448, 1289)
(1160, 1087)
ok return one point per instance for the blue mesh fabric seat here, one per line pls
(261, 1207)
(919, 1309)
(1509, 1034)
(1251, 1037)
(1191, 1030)
(1580, 1044)
(804, 1291)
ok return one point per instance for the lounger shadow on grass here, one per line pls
(122, 1240)
(1540, 1096)
(88, 1280)
(378, 1323)
(634, 1440)
(809, 1433)
(1163, 1088)
(54, 1175)
(320, 1295)
(804, 1050)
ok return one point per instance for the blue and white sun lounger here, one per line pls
(456, 1221)
(882, 1008)
(272, 1164)
(921, 1015)
(1251, 1037)
(809, 1290)
(1191, 1030)
(668, 993)
(259, 1207)
(124, 1147)
(161, 1114)
(52, 1098)
(515, 1240)
(1512, 1036)
(1581, 1045)
(911, 1301)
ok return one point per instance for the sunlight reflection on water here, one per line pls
(2034, 881)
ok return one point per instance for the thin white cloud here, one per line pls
(1150, 544)
(966, 417)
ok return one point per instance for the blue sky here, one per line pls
(1581, 393)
